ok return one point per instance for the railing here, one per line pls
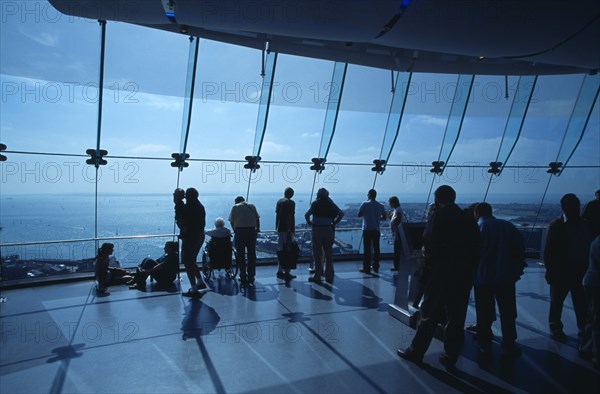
(35, 260)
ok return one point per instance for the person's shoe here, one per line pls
(559, 335)
(311, 270)
(280, 275)
(287, 276)
(409, 355)
(447, 362)
(101, 290)
(472, 328)
(376, 269)
(329, 280)
(393, 269)
(138, 286)
(191, 293)
(314, 279)
(365, 271)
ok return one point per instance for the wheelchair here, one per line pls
(219, 254)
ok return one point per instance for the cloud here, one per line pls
(42, 37)
(169, 103)
(371, 150)
(149, 149)
(429, 120)
(316, 134)
(270, 147)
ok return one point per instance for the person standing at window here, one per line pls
(245, 221)
(395, 223)
(325, 216)
(566, 257)
(192, 238)
(372, 213)
(451, 241)
(285, 224)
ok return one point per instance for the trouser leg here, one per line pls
(240, 247)
(579, 305)
(456, 312)
(317, 246)
(558, 293)
(507, 307)
(376, 253)
(329, 237)
(251, 246)
(484, 308)
(431, 309)
(397, 251)
(367, 243)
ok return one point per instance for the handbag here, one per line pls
(288, 257)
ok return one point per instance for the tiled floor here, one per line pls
(298, 337)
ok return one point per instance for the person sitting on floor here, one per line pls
(106, 275)
(163, 270)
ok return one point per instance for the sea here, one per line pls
(49, 217)
(124, 218)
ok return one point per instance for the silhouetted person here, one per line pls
(178, 196)
(163, 270)
(566, 256)
(192, 238)
(396, 227)
(451, 241)
(325, 216)
(591, 213)
(245, 222)
(591, 284)
(106, 275)
(285, 224)
(372, 213)
(500, 267)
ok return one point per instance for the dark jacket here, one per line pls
(452, 243)
(566, 253)
(195, 217)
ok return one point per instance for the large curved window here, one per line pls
(54, 206)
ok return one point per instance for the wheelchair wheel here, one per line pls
(207, 272)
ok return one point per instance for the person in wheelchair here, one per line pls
(163, 270)
(219, 248)
(220, 231)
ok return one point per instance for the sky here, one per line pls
(49, 68)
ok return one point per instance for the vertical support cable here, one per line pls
(580, 116)
(514, 125)
(99, 129)
(189, 98)
(392, 129)
(263, 116)
(456, 118)
(333, 107)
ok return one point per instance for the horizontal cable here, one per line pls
(289, 162)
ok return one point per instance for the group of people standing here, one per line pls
(463, 250)
(470, 248)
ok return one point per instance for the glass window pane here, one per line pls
(297, 110)
(225, 102)
(143, 105)
(363, 116)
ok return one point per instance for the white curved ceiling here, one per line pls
(441, 36)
